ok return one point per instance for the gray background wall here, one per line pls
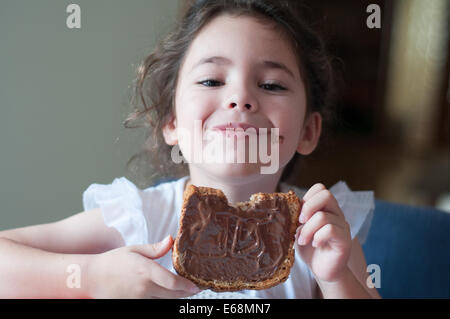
(63, 96)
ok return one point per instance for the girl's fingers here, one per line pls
(154, 251)
(168, 280)
(322, 200)
(313, 190)
(158, 274)
(331, 233)
(316, 222)
(298, 231)
(161, 292)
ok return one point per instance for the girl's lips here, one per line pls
(231, 127)
(229, 130)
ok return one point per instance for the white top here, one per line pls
(149, 215)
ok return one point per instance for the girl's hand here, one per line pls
(324, 237)
(131, 272)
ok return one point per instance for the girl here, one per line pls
(229, 64)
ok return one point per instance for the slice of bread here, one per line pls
(228, 248)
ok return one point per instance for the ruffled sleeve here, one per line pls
(121, 205)
(358, 208)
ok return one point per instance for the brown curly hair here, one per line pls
(154, 88)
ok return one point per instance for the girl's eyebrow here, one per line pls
(277, 65)
(225, 61)
(214, 59)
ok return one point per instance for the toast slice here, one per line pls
(229, 248)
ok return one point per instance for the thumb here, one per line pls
(155, 250)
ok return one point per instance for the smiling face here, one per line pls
(238, 70)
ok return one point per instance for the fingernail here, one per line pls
(302, 218)
(301, 240)
(298, 231)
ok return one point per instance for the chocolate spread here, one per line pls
(222, 242)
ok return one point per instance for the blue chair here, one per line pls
(412, 247)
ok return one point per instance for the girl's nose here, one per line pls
(242, 98)
(242, 104)
(246, 106)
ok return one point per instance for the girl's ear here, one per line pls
(170, 132)
(310, 134)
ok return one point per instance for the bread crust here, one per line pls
(281, 273)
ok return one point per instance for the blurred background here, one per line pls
(393, 131)
(64, 94)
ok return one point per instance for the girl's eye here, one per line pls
(209, 83)
(272, 87)
(265, 86)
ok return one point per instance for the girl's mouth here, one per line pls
(239, 129)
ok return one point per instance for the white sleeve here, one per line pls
(358, 208)
(121, 206)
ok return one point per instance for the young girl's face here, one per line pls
(238, 70)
